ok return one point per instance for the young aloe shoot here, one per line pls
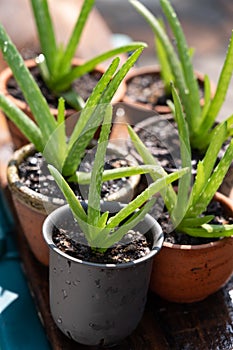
(188, 215)
(100, 229)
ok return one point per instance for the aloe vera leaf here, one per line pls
(105, 96)
(213, 183)
(29, 87)
(65, 81)
(87, 123)
(46, 32)
(105, 239)
(113, 174)
(93, 100)
(169, 197)
(186, 63)
(120, 75)
(221, 90)
(195, 222)
(185, 151)
(94, 194)
(60, 133)
(206, 166)
(66, 61)
(166, 73)
(209, 231)
(207, 95)
(103, 220)
(229, 121)
(23, 122)
(151, 190)
(73, 99)
(71, 199)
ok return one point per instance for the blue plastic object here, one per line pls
(20, 326)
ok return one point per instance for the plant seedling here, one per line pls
(176, 63)
(100, 229)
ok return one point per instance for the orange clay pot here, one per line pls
(18, 138)
(190, 273)
(32, 207)
(155, 71)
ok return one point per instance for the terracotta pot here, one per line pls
(93, 303)
(190, 273)
(32, 207)
(155, 72)
(18, 138)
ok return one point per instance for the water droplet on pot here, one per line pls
(76, 283)
(64, 293)
(59, 320)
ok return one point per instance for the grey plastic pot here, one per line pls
(98, 304)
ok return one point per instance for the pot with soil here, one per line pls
(35, 193)
(98, 286)
(61, 146)
(99, 299)
(177, 67)
(83, 86)
(190, 268)
(188, 211)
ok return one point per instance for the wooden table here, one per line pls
(198, 326)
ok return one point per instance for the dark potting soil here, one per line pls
(68, 239)
(83, 86)
(162, 140)
(148, 88)
(34, 174)
(173, 236)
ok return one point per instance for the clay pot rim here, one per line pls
(226, 202)
(21, 190)
(40, 200)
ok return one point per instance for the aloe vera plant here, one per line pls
(176, 63)
(187, 206)
(55, 60)
(63, 152)
(100, 229)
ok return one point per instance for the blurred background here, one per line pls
(207, 25)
